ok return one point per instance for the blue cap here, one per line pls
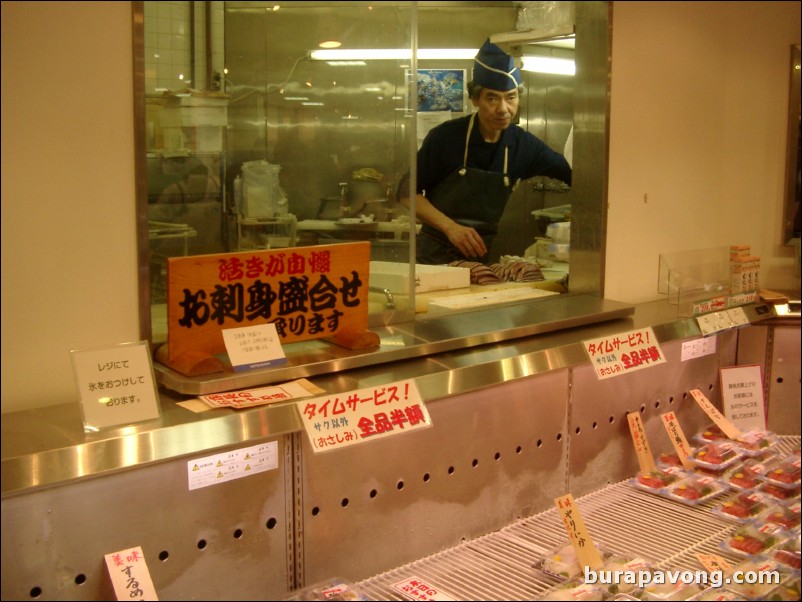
(495, 69)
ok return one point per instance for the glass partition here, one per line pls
(254, 140)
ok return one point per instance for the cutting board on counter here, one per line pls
(484, 298)
(478, 296)
(394, 277)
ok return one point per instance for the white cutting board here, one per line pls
(394, 276)
(484, 299)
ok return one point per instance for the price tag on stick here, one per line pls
(727, 427)
(586, 552)
(678, 439)
(645, 457)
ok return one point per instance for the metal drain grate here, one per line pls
(621, 519)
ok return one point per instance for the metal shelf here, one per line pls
(620, 519)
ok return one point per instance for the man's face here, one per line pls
(495, 109)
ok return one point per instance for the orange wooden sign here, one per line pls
(307, 292)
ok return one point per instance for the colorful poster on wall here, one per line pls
(441, 90)
(306, 292)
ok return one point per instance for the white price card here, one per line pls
(257, 346)
(343, 419)
(116, 385)
(714, 322)
(130, 575)
(233, 464)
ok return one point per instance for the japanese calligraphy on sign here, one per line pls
(417, 589)
(306, 292)
(622, 353)
(129, 575)
(678, 439)
(729, 429)
(337, 421)
(641, 443)
(116, 385)
(742, 396)
(586, 552)
(248, 398)
(713, 562)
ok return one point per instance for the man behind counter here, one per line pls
(469, 166)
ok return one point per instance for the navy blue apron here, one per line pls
(471, 197)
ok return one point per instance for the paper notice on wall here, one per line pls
(742, 396)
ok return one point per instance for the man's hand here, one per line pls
(466, 239)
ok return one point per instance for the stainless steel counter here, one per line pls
(446, 356)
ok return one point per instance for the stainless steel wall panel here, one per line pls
(205, 544)
(490, 457)
(601, 450)
(783, 381)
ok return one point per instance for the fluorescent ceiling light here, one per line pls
(346, 63)
(546, 64)
(393, 54)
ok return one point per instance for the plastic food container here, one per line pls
(784, 494)
(750, 540)
(785, 516)
(665, 460)
(696, 489)
(657, 480)
(669, 591)
(716, 456)
(756, 442)
(711, 433)
(784, 473)
(623, 565)
(787, 553)
(716, 593)
(562, 562)
(574, 589)
(332, 589)
(747, 475)
(755, 591)
(742, 507)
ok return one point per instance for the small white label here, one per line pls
(698, 348)
(230, 465)
(256, 346)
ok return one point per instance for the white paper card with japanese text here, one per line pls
(130, 575)
(257, 346)
(617, 354)
(742, 396)
(342, 419)
(415, 588)
(116, 384)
